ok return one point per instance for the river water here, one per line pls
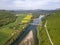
(32, 26)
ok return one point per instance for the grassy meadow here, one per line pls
(53, 25)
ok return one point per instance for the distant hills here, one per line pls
(34, 11)
(31, 11)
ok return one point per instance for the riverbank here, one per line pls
(28, 39)
(32, 27)
(41, 33)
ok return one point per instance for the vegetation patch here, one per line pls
(7, 31)
(6, 18)
(41, 34)
(11, 31)
(53, 25)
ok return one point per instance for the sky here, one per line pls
(29, 4)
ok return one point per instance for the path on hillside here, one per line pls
(48, 34)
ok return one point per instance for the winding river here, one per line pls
(32, 26)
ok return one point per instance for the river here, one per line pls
(32, 26)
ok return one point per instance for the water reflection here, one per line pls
(38, 20)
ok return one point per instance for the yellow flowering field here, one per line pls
(27, 19)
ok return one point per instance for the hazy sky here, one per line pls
(29, 4)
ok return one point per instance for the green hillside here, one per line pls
(6, 17)
(11, 27)
(53, 25)
(42, 35)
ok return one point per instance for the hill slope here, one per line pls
(53, 25)
(6, 17)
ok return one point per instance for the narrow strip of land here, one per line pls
(28, 40)
(48, 33)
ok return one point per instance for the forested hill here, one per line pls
(6, 17)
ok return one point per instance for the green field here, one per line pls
(53, 25)
(6, 18)
(6, 31)
(42, 35)
(5, 34)
(12, 30)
